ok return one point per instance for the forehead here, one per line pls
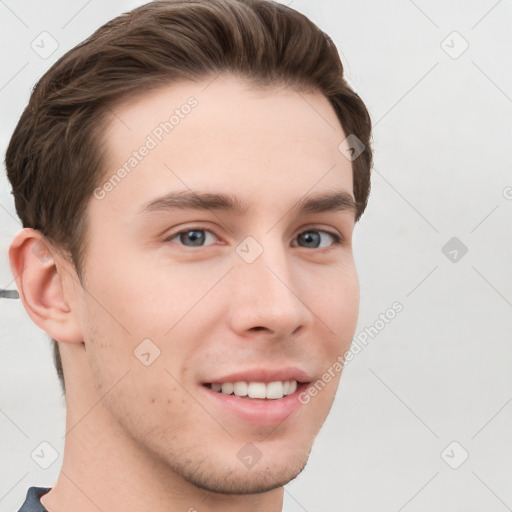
(222, 133)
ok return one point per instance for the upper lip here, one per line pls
(265, 375)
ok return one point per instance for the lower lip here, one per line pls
(261, 412)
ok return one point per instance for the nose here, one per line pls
(268, 298)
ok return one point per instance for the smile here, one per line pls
(258, 390)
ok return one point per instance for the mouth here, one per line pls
(260, 398)
(256, 390)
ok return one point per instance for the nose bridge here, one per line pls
(267, 294)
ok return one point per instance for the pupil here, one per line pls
(310, 238)
(196, 237)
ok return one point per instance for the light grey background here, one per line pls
(441, 370)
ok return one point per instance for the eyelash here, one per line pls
(337, 239)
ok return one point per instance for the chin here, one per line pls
(247, 481)
(261, 478)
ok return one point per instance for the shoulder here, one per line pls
(33, 500)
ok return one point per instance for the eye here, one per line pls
(317, 239)
(192, 237)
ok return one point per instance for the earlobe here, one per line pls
(33, 264)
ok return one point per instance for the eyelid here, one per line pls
(335, 234)
(329, 230)
(195, 227)
(338, 239)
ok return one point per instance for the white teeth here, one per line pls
(227, 388)
(275, 390)
(241, 388)
(272, 390)
(257, 390)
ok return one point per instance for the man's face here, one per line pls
(220, 295)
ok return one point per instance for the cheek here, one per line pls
(148, 403)
(136, 300)
(338, 304)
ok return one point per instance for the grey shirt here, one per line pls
(33, 500)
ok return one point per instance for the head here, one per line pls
(226, 120)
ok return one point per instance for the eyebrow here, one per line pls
(339, 200)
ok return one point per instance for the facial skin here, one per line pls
(153, 437)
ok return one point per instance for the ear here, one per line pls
(33, 264)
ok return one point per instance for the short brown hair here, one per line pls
(54, 159)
